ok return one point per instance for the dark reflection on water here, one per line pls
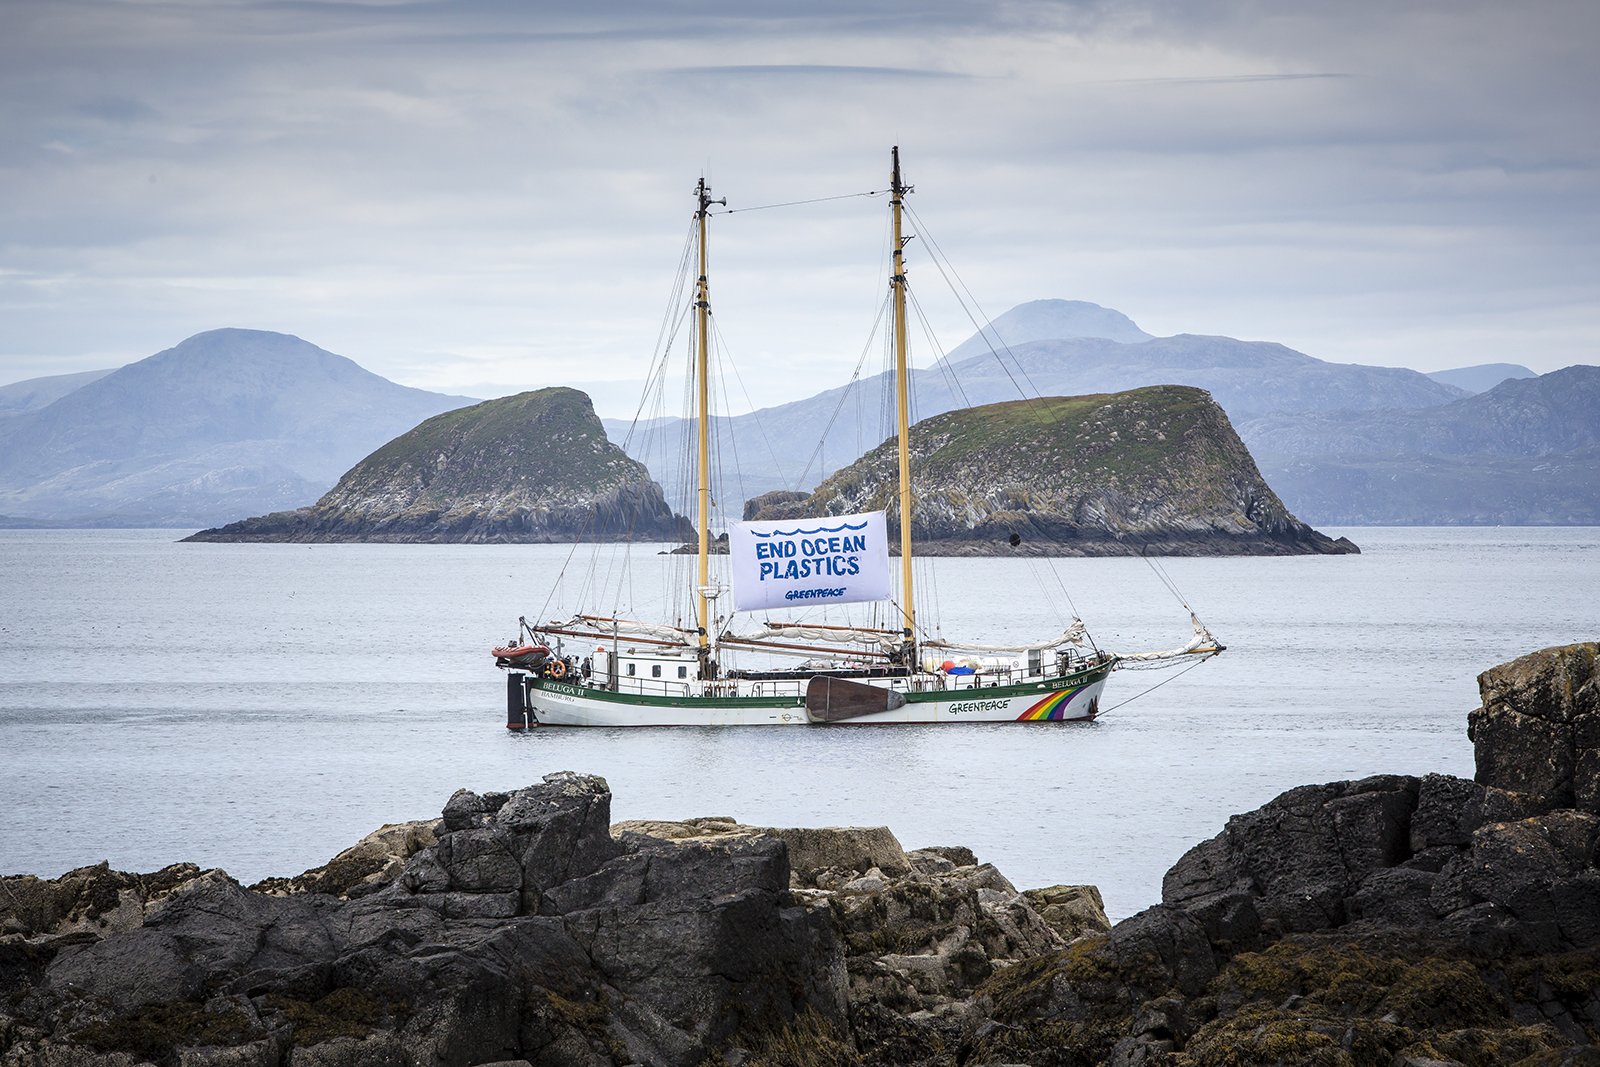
(261, 707)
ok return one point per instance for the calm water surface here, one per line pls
(260, 707)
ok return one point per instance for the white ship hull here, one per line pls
(1071, 698)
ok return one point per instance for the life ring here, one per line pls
(557, 669)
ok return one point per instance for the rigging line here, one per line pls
(983, 331)
(588, 519)
(658, 362)
(1032, 400)
(724, 359)
(951, 381)
(849, 386)
(1166, 580)
(772, 451)
(1050, 561)
(938, 255)
(1158, 685)
(1173, 582)
(797, 203)
(620, 559)
(670, 325)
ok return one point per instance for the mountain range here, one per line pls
(1042, 348)
(1556, 412)
(1483, 377)
(238, 422)
(227, 423)
(35, 393)
(1526, 452)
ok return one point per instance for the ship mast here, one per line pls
(903, 411)
(702, 303)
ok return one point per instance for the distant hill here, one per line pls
(1156, 470)
(535, 467)
(1556, 412)
(1243, 376)
(1049, 320)
(1526, 452)
(775, 444)
(35, 393)
(226, 423)
(1414, 489)
(1481, 377)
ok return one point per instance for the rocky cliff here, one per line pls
(527, 468)
(1155, 470)
(1395, 921)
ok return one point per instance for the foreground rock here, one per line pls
(1538, 731)
(1156, 470)
(1396, 921)
(535, 467)
(525, 931)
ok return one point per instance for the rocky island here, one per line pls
(1395, 921)
(535, 467)
(1157, 470)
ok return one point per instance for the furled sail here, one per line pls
(630, 628)
(887, 640)
(1201, 642)
(1072, 635)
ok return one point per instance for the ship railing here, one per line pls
(652, 687)
(986, 679)
(777, 689)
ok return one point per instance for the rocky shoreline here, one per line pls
(1402, 921)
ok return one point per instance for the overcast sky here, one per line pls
(463, 193)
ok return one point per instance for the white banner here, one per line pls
(837, 560)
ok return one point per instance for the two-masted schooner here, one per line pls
(637, 673)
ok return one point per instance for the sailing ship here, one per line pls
(654, 674)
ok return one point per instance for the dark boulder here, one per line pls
(525, 933)
(1302, 856)
(1538, 731)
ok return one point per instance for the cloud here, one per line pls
(455, 193)
(1227, 79)
(764, 70)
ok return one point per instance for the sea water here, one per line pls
(261, 707)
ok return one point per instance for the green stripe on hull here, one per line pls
(997, 692)
(607, 696)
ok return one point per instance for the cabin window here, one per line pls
(630, 670)
(655, 670)
(683, 672)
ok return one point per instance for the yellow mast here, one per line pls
(903, 411)
(702, 303)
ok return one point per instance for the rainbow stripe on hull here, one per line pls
(1053, 708)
